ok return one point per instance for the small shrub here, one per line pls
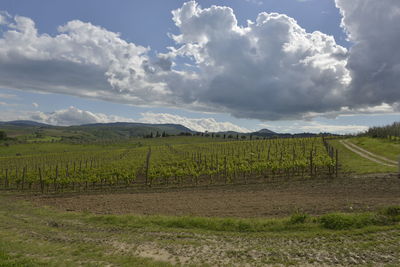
(244, 227)
(381, 219)
(391, 211)
(338, 221)
(335, 221)
(298, 218)
(389, 215)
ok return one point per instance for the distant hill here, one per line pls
(23, 123)
(117, 130)
(31, 130)
(129, 129)
(266, 131)
(177, 127)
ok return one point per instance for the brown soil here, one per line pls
(258, 200)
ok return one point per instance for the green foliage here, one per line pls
(389, 215)
(340, 221)
(298, 221)
(298, 218)
(3, 135)
(390, 131)
(392, 211)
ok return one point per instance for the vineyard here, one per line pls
(196, 164)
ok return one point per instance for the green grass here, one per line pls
(351, 162)
(383, 147)
(32, 236)
(297, 222)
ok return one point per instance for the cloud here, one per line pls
(272, 68)
(7, 96)
(8, 104)
(384, 108)
(83, 60)
(76, 116)
(4, 16)
(200, 125)
(269, 69)
(374, 59)
(256, 2)
(315, 127)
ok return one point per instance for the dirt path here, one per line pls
(279, 198)
(368, 155)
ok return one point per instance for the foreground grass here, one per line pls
(33, 236)
(351, 162)
(380, 146)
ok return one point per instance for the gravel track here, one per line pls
(368, 155)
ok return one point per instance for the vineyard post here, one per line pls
(311, 162)
(16, 176)
(41, 180)
(337, 163)
(398, 175)
(23, 177)
(6, 180)
(148, 165)
(55, 179)
(225, 171)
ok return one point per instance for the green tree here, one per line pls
(3, 135)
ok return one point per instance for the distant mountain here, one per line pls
(178, 127)
(118, 130)
(95, 131)
(23, 123)
(265, 132)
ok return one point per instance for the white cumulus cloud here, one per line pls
(83, 60)
(269, 69)
(200, 125)
(374, 59)
(74, 116)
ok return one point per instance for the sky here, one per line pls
(243, 65)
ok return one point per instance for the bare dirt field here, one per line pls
(281, 198)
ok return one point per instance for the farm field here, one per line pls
(200, 133)
(167, 164)
(272, 199)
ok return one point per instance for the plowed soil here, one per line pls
(273, 199)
